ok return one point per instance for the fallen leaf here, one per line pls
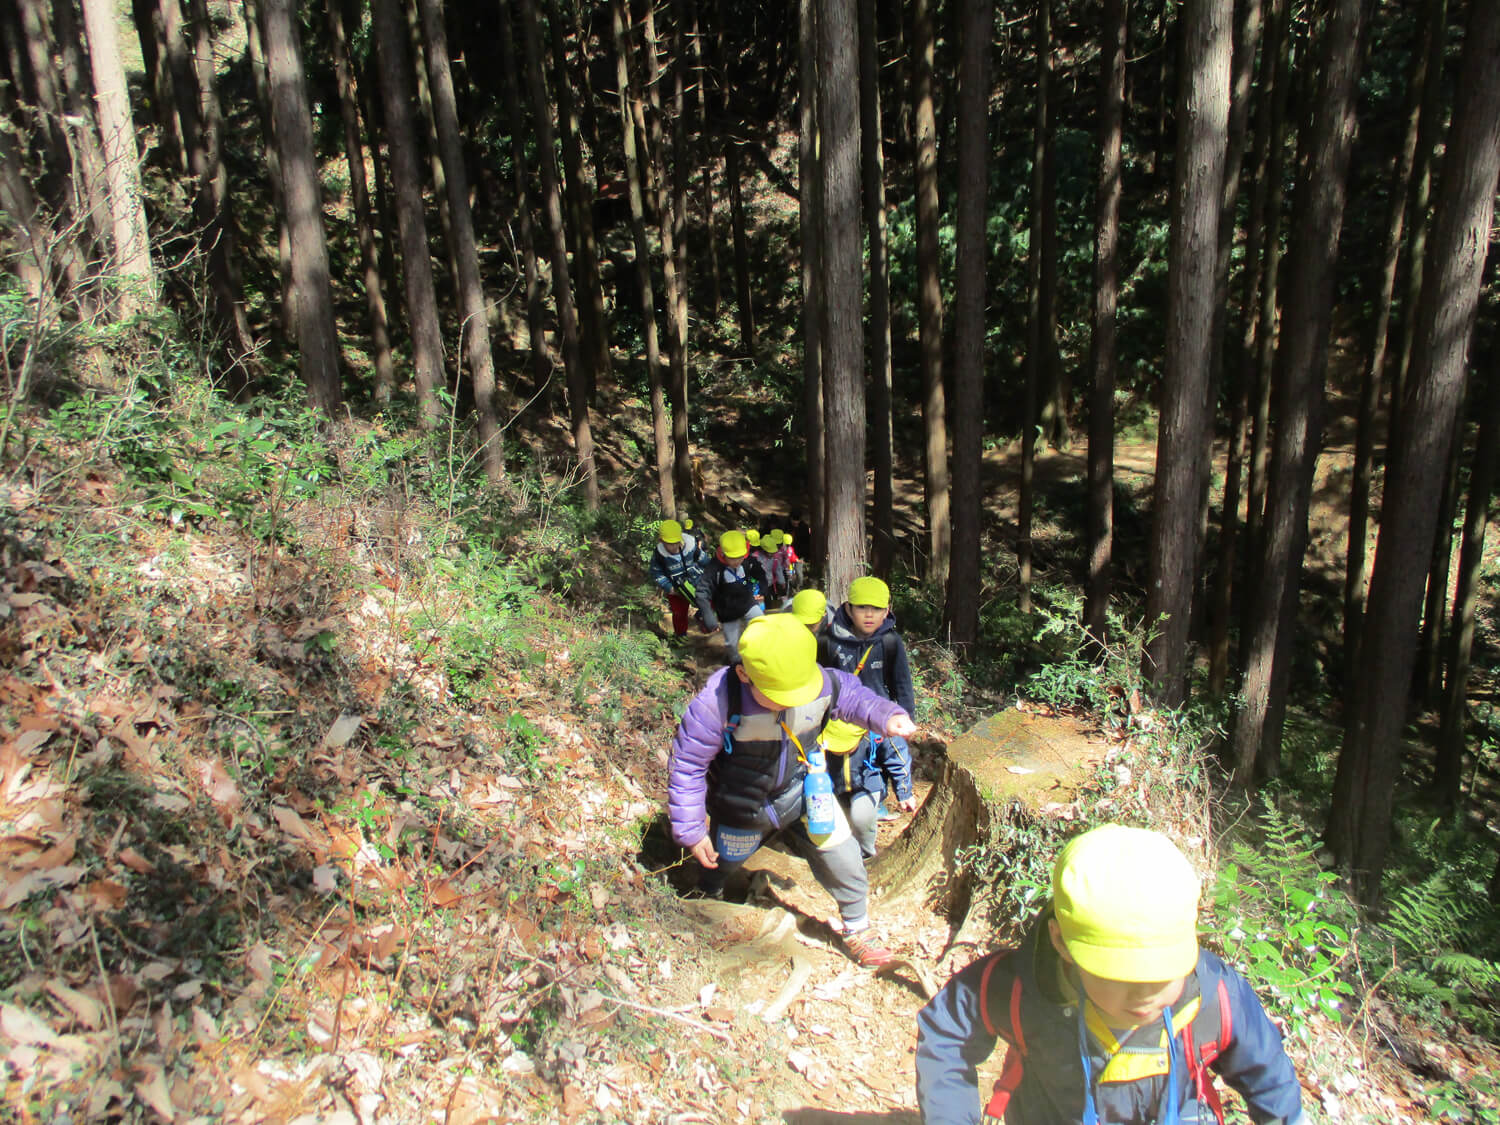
(325, 879)
(84, 1008)
(153, 1091)
(20, 1026)
(1019, 769)
(136, 862)
(345, 728)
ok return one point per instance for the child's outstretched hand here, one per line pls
(703, 852)
(909, 804)
(900, 726)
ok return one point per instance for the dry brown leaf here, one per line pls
(343, 729)
(152, 1089)
(84, 1008)
(136, 862)
(106, 894)
(20, 1026)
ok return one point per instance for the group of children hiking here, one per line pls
(1110, 1012)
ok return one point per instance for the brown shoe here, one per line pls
(867, 954)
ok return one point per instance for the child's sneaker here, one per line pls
(888, 813)
(866, 953)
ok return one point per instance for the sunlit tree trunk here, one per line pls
(427, 121)
(1359, 826)
(1181, 466)
(872, 168)
(810, 219)
(473, 302)
(397, 97)
(146, 16)
(705, 153)
(930, 301)
(961, 612)
(677, 393)
(132, 252)
(843, 336)
(1301, 358)
(1114, 25)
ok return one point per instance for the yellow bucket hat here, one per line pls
(781, 659)
(732, 544)
(752, 537)
(870, 590)
(809, 606)
(1126, 901)
(669, 531)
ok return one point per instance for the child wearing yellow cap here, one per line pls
(862, 639)
(729, 597)
(676, 568)
(740, 759)
(1110, 1011)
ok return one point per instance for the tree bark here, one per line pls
(1359, 826)
(1114, 25)
(1448, 772)
(541, 358)
(964, 583)
(80, 124)
(843, 337)
(430, 145)
(562, 283)
(473, 302)
(146, 16)
(1356, 570)
(132, 252)
(592, 325)
(317, 338)
(255, 47)
(1427, 684)
(1181, 467)
(629, 91)
(364, 220)
(872, 168)
(706, 164)
(930, 301)
(810, 221)
(397, 97)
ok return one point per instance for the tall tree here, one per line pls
(930, 299)
(255, 48)
(1114, 24)
(843, 338)
(1181, 467)
(364, 219)
(705, 153)
(1448, 772)
(872, 174)
(562, 282)
(397, 96)
(634, 179)
(1042, 303)
(536, 322)
(1426, 59)
(473, 302)
(1359, 825)
(132, 252)
(317, 338)
(964, 585)
(810, 221)
(1301, 357)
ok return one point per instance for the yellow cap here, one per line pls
(781, 659)
(810, 606)
(669, 531)
(870, 590)
(1126, 901)
(752, 537)
(732, 545)
(774, 537)
(786, 538)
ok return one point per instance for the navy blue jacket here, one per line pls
(952, 1041)
(839, 646)
(681, 572)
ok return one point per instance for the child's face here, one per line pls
(755, 692)
(1123, 1004)
(673, 548)
(733, 561)
(866, 618)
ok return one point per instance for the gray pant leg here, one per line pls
(864, 819)
(841, 872)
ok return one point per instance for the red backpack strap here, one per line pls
(1015, 1054)
(1199, 1056)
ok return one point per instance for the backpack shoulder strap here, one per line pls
(1201, 1050)
(1015, 1055)
(890, 640)
(736, 705)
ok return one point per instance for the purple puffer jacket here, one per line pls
(700, 739)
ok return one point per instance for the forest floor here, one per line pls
(264, 857)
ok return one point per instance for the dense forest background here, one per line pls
(877, 265)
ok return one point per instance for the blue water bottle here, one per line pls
(817, 791)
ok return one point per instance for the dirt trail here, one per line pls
(840, 1046)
